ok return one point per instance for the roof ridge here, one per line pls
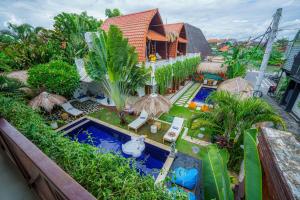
(155, 9)
(175, 23)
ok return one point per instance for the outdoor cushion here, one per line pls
(186, 178)
(191, 196)
(175, 127)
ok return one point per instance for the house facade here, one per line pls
(177, 40)
(144, 31)
(291, 68)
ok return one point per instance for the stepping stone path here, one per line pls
(182, 101)
(195, 149)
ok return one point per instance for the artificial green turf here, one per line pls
(187, 114)
(111, 117)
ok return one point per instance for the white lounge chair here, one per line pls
(140, 121)
(174, 131)
(71, 110)
(215, 83)
(205, 82)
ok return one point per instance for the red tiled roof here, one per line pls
(224, 48)
(173, 27)
(152, 35)
(134, 27)
(182, 40)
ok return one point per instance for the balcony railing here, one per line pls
(160, 63)
(43, 175)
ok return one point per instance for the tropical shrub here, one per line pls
(70, 29)
(252, 167)
(177, 72)
(56, 76)
(26, 46)
(281, 87)
(113, 62)
(11, 87)
(163, 78)
(106, 176)
(216, 179)
(5, 62)
(230, 117)
(112, 12)
(215, 175)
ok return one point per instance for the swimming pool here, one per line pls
(108, 139)
(202, 94)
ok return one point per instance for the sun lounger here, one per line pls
(215, 83)
(174, 131)
(205, 82)
(140, 121)
(71, 110)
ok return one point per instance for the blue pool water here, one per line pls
(202, 94)
(110, 140)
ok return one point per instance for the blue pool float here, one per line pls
(186, 178)
(191, 196)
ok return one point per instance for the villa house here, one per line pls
(144, 30)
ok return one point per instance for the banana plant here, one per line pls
(215, 175)
(252, 167)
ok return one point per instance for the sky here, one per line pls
(237, 19)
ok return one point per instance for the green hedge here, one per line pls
(181, 70)
(56, 76)
(106, 176)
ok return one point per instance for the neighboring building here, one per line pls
(144, 30)
(177, 40)
(197, 42)
(291, 97)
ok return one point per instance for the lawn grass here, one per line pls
(111, 117)
(187, 114)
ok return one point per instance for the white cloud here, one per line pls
(217, 18)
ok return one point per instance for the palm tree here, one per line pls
(113, 62)
(232, 115)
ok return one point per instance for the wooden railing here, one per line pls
(44, 176)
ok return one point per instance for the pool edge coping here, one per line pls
(167, 164)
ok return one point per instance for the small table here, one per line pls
(153, 129)
(158, 124)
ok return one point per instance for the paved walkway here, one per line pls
(291, 124)
(12, 184)
(187, 95)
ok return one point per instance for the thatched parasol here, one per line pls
(47, 101)
(211, 67)
(237, 85)
(153, 104)
(19, 75)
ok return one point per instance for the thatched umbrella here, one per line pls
(47, 101)
(237, 85)
(211, 67)
(153, 104)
